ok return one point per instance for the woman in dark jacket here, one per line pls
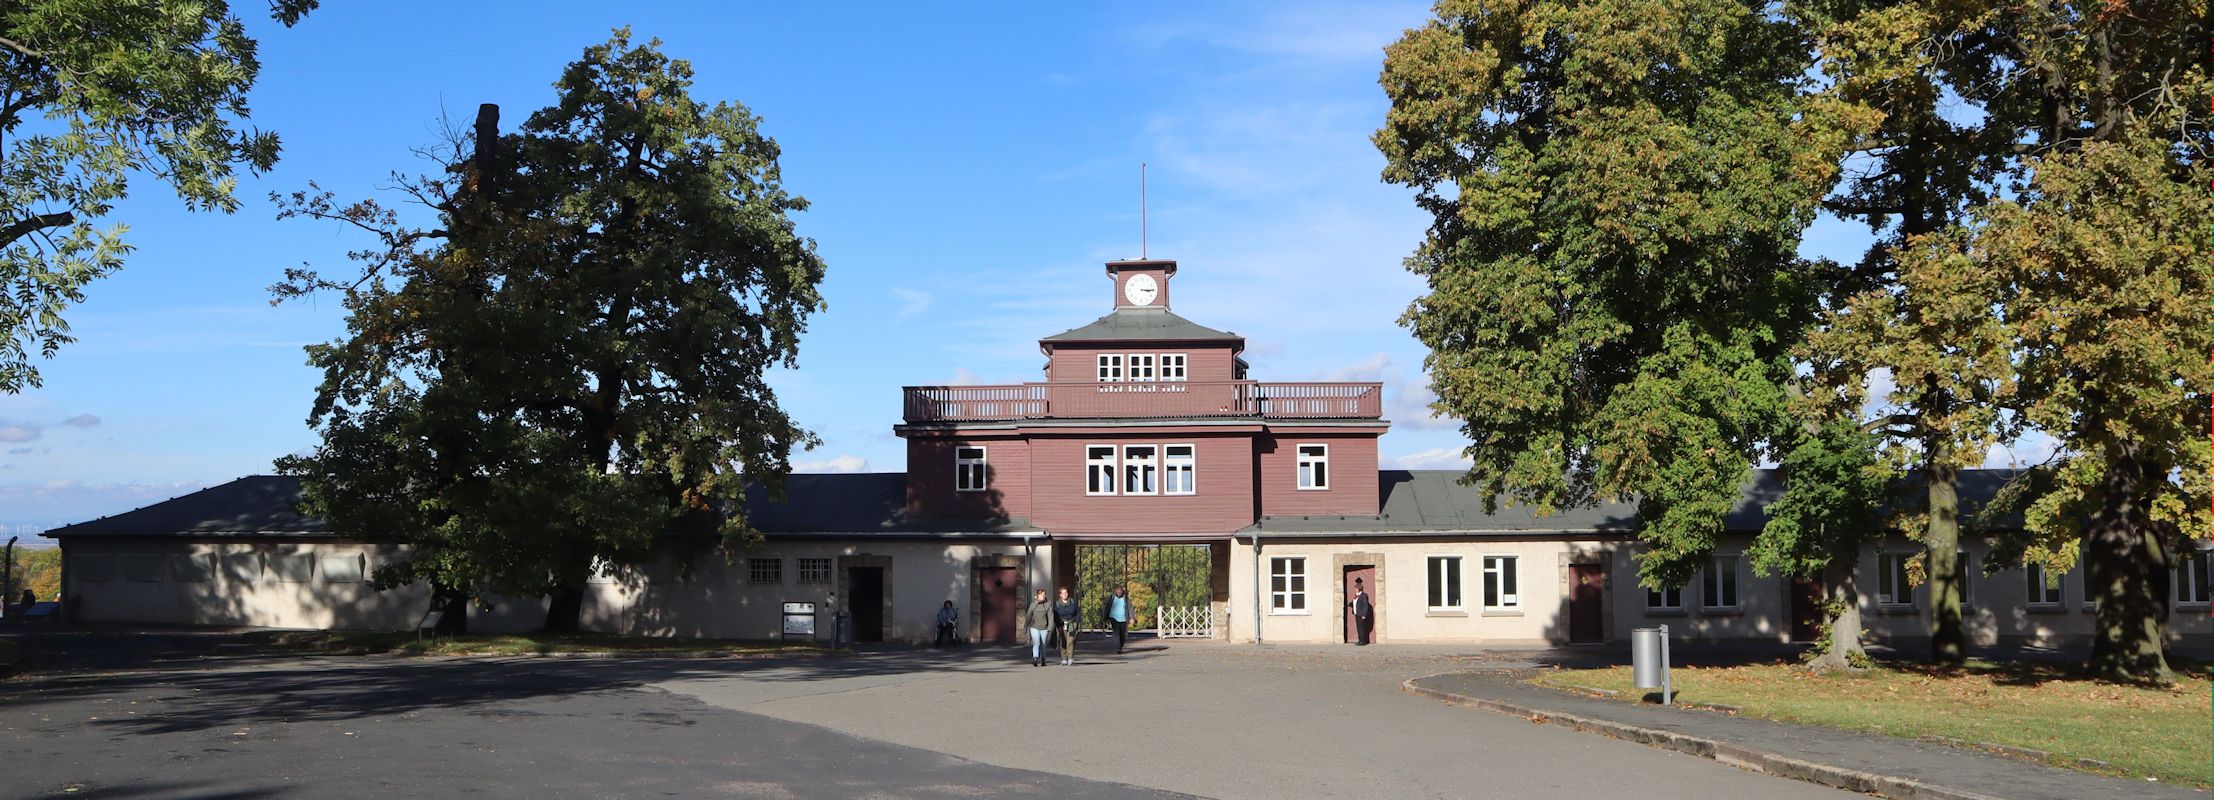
(1064, 614)
(1039, 619)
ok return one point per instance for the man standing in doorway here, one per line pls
(947, 620)
(1118, 617)
(1364, 613)
(1065, 617)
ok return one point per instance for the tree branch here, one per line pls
(20, 47)
(23, 227)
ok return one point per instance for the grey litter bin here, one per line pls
(1649, 661)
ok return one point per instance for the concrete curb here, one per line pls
(1735, 755)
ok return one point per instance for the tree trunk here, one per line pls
(455, 602)
(1842, 596)
(1948, 639)
(2123, 560)
(565, 609)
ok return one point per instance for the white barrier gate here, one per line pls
(1184, 622)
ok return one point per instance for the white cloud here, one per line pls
(18, 433)
(81, 421)
(1437, 458)
(911, 302)
(963, 376)
(844, 463)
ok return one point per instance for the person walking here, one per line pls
(1039, 619)
(1065, 613)
(1364, 613)
(1118, 617)
(947, 617)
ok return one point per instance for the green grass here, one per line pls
(482, 644)
(2143, 732)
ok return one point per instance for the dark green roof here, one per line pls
(1157, 324)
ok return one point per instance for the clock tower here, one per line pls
(1141, 284)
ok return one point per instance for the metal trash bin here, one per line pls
(1649, 661)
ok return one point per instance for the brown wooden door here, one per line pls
(1806, 609)
(995, 620)
(1587, 600)
(1367, 582)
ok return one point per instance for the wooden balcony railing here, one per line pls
(1163, 399)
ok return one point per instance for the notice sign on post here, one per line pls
(799, 619)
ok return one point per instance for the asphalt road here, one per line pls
(1209, 720)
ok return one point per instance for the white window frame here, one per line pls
(1446, 583)
(1659, 599)
(1289, 573)
(1184, 466)
(1304, 462)
(756, 576)
(1893, 589)
(1110, 367)
(1140, 367)
(1506, 567)
(2039, 593)
(1096, 466)
(1175, 367)
(812, 571)
(970, 474)
(2193, 564)
(1141, 471)
(351, 568)
(1711, 585)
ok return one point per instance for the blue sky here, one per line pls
(970, 167)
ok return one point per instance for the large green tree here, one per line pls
(92, 94)
(571, 365)
(1837, 489)
(1617, 190)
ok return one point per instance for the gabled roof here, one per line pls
(254, 505)
(857, 503)
(1142, 324)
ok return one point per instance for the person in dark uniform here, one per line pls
(1363, 611)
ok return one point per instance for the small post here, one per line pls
(1668, 692)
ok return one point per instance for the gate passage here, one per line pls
(1168, 586)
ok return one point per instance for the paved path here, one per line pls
(1922, 762)
(1224, 721)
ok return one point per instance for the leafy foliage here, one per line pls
(572, 365)
(93, 92)
(1836, 493)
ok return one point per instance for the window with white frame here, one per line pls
(1172, 366)
(765, 571)
(344, 568)
(814, 571)
(1140, 468)
(1141, 366)
(1892, 587)
(968, 469)
(2191, 578)
(1314, 466)
(1500, 583)
(1669, 599)
(1110, 367)
(2042, 592)
(1445, 583)
(1718, 589)
(1099, 469)
(1287, 585)
(1179, 469)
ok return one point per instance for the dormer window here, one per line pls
(1110, 367)
(1172, 366)
(1141, 366)
(968, 469)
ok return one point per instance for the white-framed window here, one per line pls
(1892, 588)
(1718, 588)
(1287, 585)
(1314, 466)
(1172, 366)
(342, 568)
(242, 567)
(1141, 367)
(2191, 579)
(814, 570)
(1669, 599)
(1110, 367)
(1141, 464)
(1099, 469)
(1445, 583)
(292, 568)
(193, 568)
(1179, 469)
(1500, 583)
(2041, 591)
(968, 469)
(765, 571)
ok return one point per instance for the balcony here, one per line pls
(1155, 400)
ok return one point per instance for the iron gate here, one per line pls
(1156, 575)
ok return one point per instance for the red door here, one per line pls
(1586, 604)
(1806, 609)
(995, 620)
(1360, 579)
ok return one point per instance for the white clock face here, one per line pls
(1140, 290)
